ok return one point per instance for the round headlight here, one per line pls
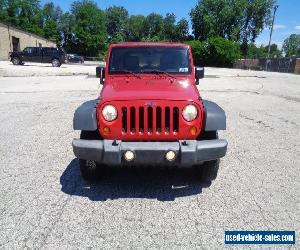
(109, 113)
(189, 112)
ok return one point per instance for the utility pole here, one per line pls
(269, 47)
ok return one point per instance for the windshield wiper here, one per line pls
(160, 72)
(128, 71)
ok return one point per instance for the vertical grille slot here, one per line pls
(150, 119)
(124, 120)
(158, 119)
(175, 119)
(167, 119)
(141, 120)
(132, 119)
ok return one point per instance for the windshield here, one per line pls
(173, 60)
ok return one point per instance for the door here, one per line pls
(28, 54)
(15, 43)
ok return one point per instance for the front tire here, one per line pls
(55, 63)
(16, 61)
(89, 169)
(208, 171)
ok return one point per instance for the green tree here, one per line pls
(88, 34)
(200, 52)
(255, 52)
(182, 30)
(168, 27)
(237, 20)
(115, 20)
(216, 51)
(65, 26)
(30, 16)
(257, 15)
(291, 46)
(51, 15)
(222, 18)
(134, 30)
(153, 26)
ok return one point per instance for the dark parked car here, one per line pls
(74, 58)
(56, 56)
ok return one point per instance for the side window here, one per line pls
(25, 50)
(31, 50)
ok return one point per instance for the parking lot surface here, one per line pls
(45, 203)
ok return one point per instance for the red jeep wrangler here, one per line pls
(149, 112)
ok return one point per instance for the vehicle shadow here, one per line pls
(160, 184)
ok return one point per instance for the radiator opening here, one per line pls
(141, 120)
(150, 119)
(124, 120)
(175, 119)
(132, 119)
(158, 119)
(167, 119)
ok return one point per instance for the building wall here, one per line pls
(26, 39)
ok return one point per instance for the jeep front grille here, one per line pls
(147, 119)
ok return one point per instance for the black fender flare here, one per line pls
(215, 118)
(85, 116)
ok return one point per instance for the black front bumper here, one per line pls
(188, 152)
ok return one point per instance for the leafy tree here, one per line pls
(65, 26)
(200, 52)
(222, 18)
(89, 33)
(222, 52)
(216, 51)
(182, 30)
(29, 16)
(168, 27)
(291, 46)
(255, 52)
(51, 12)
(153, 26)
(261, 52)
(115, 20)
(50, 30)
(237, 20)
(134, 29)
(51, 16)
(257, 15)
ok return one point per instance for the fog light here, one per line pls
(171, 155)
(106, 130)
(129, 155)
(193, 130)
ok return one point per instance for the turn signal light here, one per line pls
(193, 130)
(106, 130)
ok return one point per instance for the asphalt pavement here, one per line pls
(46, 204)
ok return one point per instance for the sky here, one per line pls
(287, 20)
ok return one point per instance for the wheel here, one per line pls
(16, 61)
(56, 63)
(208, 170)
(89, 169)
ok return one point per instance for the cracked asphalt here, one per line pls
(46, 205)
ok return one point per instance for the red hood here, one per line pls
(151, 88)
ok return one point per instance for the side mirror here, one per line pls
(199, 74)
(100, 73)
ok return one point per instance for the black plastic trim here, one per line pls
(188, 152)
(215, 118)
(85, 116)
